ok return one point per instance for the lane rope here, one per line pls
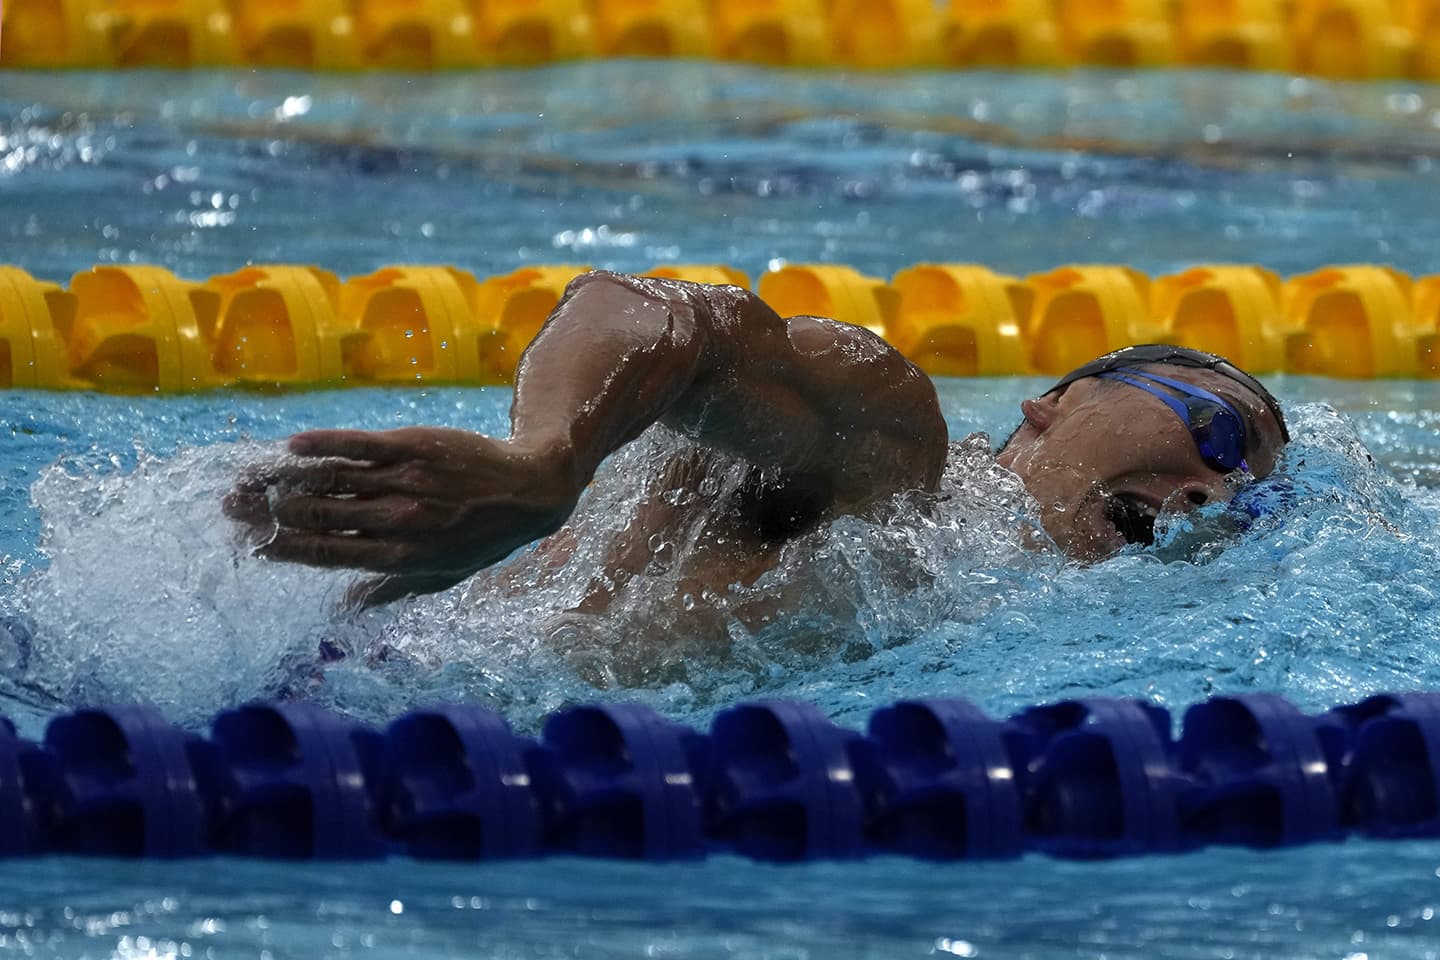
(141, 329)
(1359, 39)
(776, 781)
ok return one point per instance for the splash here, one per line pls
(147, 593)
(513, 637)
(1317, 585)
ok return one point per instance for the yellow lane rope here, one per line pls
(141, 329)
(1335, 38)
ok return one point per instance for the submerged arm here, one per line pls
(827, 408)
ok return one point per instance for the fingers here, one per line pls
(387, 447)
(383, 516)
(333, 550)
(333, 477)
(251, 513)
(250, 509)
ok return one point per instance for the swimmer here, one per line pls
(828, 417)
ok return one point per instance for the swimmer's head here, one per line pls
(1139, 430)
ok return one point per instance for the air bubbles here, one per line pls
(1406, 103)
(593, 237)
(94, 614)
(295, 107)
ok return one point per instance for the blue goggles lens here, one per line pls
(1215, 426)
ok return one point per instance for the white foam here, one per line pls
(149, 595)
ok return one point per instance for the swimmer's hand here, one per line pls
(425, 507)
(830, 408)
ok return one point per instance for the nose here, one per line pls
(1197, 492)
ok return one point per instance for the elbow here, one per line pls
(587, 280)
(645, 308)
(928, 423)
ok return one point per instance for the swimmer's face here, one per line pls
(1102, 458)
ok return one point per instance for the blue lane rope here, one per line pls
(935, 779)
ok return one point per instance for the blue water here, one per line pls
(629, 165)
(115, 550)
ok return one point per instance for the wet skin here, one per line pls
(830, 418)
(1100, 439)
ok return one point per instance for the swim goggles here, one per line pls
(1148, 353)
(1215, 426)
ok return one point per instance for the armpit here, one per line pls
(778, 506)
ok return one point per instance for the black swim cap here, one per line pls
(1147, 353)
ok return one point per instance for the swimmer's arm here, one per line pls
(821, 402)
(829, 407)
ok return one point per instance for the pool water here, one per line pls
(115, 552)
(631, 164)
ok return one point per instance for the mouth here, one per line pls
(1133, 517)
